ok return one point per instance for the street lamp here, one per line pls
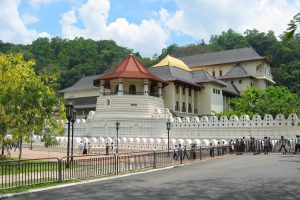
(117, 127)
(69, 109)
(168, 128)
(73, 122)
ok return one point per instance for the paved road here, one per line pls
(234, 177)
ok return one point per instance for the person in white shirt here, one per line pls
(80, 146)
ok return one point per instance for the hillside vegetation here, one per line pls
(72, 59)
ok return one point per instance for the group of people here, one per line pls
(258, 146)
(84, 149)
(107, 147)
(9, 147)
(240, 146)
(221, 149)
(181, 154)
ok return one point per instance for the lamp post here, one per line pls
(168, 128)
(73, 122)
(117, 127)
(69, 109)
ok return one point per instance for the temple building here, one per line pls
(194, 85)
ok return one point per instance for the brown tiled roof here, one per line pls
(130, 67)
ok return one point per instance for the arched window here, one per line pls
(117, 88)
(132, 89)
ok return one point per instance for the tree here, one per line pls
(27, 100)
(292, 28)
(49, 141)
(229, 40)
(273, 100)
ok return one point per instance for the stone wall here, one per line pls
(235, 127)
(191, 127)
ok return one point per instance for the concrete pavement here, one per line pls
(234, 177)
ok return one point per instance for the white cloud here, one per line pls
(37, 3)
(12, 27)
(148, 37)
(27, 18)
(203, 18)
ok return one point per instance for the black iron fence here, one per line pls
(28, 172)
(46, 170)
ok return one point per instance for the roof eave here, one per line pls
(245, 60)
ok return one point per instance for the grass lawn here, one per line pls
(26, 188)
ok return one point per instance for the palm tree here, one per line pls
(289, 33)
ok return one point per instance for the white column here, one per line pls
(146, 87)
(160, 90)
(180, 98)
(101, 88)
(193, 101)
(187, 99)
(120, 90)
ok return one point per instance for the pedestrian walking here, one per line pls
(107, 149)
(179, 152)
(175, 156)
(266, 145)
(185, 153)
(270, 145)
(282, 143)
(193, 151)
(297, 146)
(237, 147)
(16, 147)
(243, 145)
(80, 147)
(231, 146)
(84, 149)
(89, 148)
(252, 145)
(219, 149)
(211, 150)
(112, 146)
(224, 149)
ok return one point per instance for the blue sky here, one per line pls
(146, 26)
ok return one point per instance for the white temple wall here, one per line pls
(128, 106)
(192, 128)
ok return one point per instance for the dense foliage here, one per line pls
(71, 59)
(273, 100)
(28, 103)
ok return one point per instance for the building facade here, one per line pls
(194, 85)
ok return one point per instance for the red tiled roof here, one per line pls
(130, 67)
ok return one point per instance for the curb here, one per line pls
(82, 182)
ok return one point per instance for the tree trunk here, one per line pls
(2, 152)
(20, 148)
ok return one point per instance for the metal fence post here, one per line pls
(154, 159)
(117, 163)
(59, 170)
